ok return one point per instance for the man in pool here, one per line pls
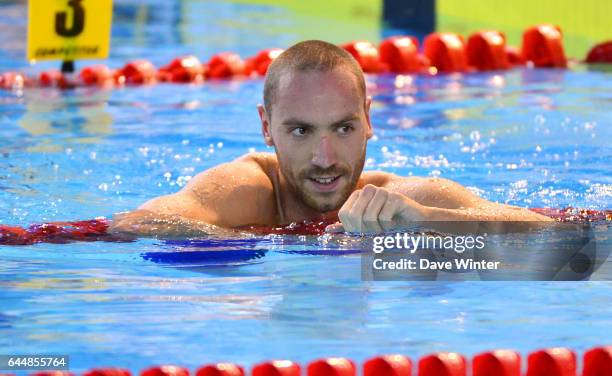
(316, 115)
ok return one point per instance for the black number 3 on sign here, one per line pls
(78, 20)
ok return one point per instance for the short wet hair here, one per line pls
(310, 55)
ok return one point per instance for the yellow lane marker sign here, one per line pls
(69, 29)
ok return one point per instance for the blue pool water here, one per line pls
(534, 138)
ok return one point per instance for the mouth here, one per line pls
(325, 183)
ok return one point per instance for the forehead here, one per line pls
(316, 96)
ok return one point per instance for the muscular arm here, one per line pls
(230, 195)
(389, 202)
(445, 200)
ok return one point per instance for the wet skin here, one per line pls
(319, 126)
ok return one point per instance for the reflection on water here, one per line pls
(52, 112)
(109, 302)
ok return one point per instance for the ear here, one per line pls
(265, 125)
(370, 131)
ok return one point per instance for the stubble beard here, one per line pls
(297, 185)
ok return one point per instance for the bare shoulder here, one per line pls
(267, 162)
(237, 193)
(249, 169)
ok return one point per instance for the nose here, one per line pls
(324, 155)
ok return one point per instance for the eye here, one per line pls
(344, 129)
(300, 131)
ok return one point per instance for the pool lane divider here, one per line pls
(58, 232)
(97, 229)
(542, 45)
(219, 369)
(276, 368)
(558, 361)
(600, 54)
(442, 52)
(497, 362)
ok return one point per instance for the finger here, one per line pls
(410, 210)
(359, 207)
(344, 212)
(348, 204)
(334, 228)
(388, 212)
(372, 211)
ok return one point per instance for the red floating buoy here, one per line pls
(99, 75)
(108, 372)
(388, 365)
(486, 50)
(400, 54)
(543, 46)
(443, 364)
(182, 69)
(598, 362)
(498, 362)
(552, 362)
(220, 369)
(366, 55)
(601, 53)
(446, 52)
(258, 64)
(137, 72)
(332, 367)
(224, 65)
(50, 78)
(13, 80)
(165, 370)
(276, 368)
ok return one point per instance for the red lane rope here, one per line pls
(486, 50)
(96, 229)
(301, 228)
(575, 215)
(558, 361)
(57, 232)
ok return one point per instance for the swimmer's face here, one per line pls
(319, 127)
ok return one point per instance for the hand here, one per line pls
(133, 223)
(377, 210)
